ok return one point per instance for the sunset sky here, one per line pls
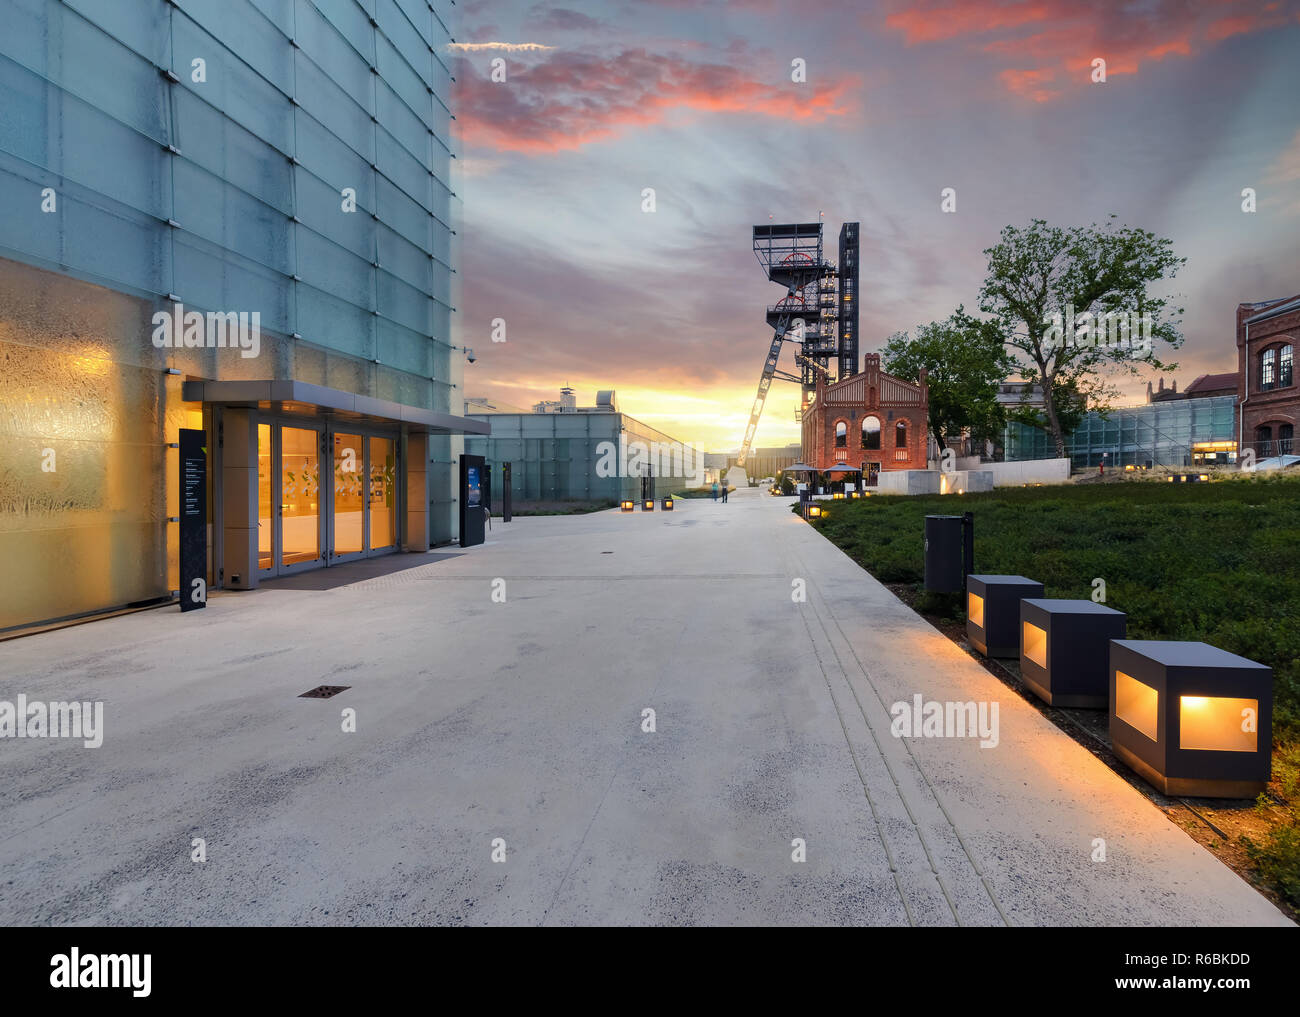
(694, 98)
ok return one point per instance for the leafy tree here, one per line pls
(964, 359)
(1037, 271)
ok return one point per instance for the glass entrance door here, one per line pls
(382, 499)
(266, 515)
(348, 519)
(304, 524)
(300, 497)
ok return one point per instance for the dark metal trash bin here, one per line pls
(944, 571)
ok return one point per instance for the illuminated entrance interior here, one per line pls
(299, 519)
(300, 495)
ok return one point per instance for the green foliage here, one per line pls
(964, 359)
(1277, 857)
(1038, 270)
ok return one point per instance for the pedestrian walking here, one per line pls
(715, 490)
(724, 492)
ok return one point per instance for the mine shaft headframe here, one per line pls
(790, 253)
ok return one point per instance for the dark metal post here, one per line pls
(968, 546)
(505, 492)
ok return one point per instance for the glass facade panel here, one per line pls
(1156, 434)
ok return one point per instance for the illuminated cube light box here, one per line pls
(1190, 718)
(626, 505)
(668, 504)
(1065, 650)
(993, 612)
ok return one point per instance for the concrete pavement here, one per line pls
(523, 721)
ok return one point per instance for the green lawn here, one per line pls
(1218, 562)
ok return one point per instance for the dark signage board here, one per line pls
(194, 519)
(473, 484)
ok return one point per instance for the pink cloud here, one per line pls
(571, 99)
(1063, 35)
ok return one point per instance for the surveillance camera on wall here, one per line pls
(469, 355)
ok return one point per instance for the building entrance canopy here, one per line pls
(302, 399)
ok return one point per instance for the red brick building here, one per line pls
(1268, 397)
(871, 420)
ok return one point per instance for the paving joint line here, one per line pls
(915, 762)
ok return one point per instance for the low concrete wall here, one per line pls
(985, 478)
(966, 481)
(1031, 471)
(907, 482)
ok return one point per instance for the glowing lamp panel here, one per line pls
(1136, 704)
(1218, 724)
(1035, 644)
(975, 609)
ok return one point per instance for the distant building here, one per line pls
(1267, 394)
(1014, 394)
(1203, 387)
(871, 420)
(481, 405)
(606, 402)
(579, 454)
(761, 462)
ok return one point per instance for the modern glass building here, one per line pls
(582, 457)
(233, 215)
(1178, 432)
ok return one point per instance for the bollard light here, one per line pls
(993, 612)
(649, 505)
(1065, 650)
(1190, 718)
(668, 504)
(814, 511)
(626, 505)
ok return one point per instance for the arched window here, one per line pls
(841, 435)
(1285, 437)
(871, 433)
(900, 434)
(1268, 370)
(1263, 442)
(1284, 369)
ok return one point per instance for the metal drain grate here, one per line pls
(324, 691)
